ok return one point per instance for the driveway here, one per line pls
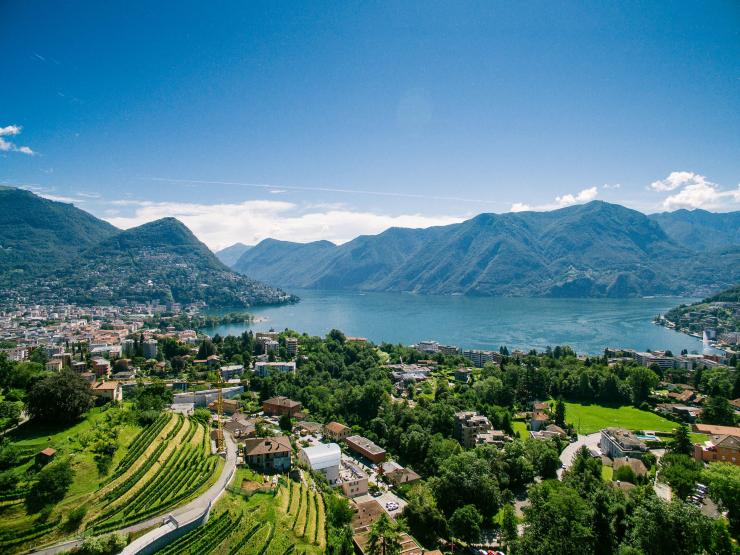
(566, 457)
(200, 503)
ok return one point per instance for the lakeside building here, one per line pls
(291, 345)
(366, 448)
(269, 454)
(262, 369)
(618, 443)
(324, 458)
(427, 346)
(479, 357)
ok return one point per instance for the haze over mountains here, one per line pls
(55, 251)
(592, 250)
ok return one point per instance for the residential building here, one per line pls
(306, 427)
(480, 358)
(231, 371)
(240, 426)
(108, 391)
(228, 406)
(538, 421)
(277, 406)
(268, 454)
(263, 368)
(54, 365)
(127, 348)
(468, 424)
(101, 367)
(427, 346)
(271, 346)
(365, 514)
(324, 458)
(617, 443)
(449, 350)
(366, 448)
(336, 431)
(150, 348)
(637, 466)
(463, 374)
(291, 345)
(492, 437)
(352, 479)
(720, 448)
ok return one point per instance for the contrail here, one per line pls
(324, 190)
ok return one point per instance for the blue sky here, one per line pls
(354, 116)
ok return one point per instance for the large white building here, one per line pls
(324, 458)
(263, 368)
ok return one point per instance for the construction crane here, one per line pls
(219, 413)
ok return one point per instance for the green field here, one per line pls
(520, 428)
(587, 419)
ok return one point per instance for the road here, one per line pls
(199, 503)
(566, 457)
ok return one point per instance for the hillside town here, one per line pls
(263, 416)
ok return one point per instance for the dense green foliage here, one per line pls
(60, 398)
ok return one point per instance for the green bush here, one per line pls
(52, 484)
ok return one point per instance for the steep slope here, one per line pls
(38, 235)
(700, 230)
(596, 249)
(231, 254)
(160, 260)
(51, 251)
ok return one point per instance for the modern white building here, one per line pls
(263, 368)
(324, 458)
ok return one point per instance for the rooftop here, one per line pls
(366, 444)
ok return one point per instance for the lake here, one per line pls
(587, 325)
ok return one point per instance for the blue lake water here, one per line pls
(587, 325)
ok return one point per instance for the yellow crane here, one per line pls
(219, 413)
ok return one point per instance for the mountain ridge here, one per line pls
(156, 261)
(594, 249)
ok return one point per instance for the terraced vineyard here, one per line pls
(172, 465)
(260, 524)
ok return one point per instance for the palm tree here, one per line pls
(383, 539)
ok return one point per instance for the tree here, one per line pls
(681, 472)
(681, 441)
(560, 413)
(60, 398)
(424, 519)
(285, 423)
(465, 523)
(10, 413)
(153, 397)
(723, 480)
(642, 381)
(557, 516)
(509, 531)
(660, 528)
(625, 474)
(206, 349)
(51, 485)
(384, 537)
(718, 410)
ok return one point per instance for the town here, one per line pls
(339, 443)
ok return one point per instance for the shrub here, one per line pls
(75, 518)
(51, 486)
(105, 545)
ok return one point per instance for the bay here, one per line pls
(587, 325)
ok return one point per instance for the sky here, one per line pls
(326, 120)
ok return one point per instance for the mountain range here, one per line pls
(55, 251)
(591, 250)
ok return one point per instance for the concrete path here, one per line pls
(199, 503)
(566, 457)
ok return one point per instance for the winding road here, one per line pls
(566, 457)
(200, 503)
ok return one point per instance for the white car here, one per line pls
(391, 506)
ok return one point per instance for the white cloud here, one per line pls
(676, 180)
(585, 195)
(614, 186)
(704, 195)
(220, 225)
(9, 146)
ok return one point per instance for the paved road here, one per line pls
(199, 503)
(566, 457)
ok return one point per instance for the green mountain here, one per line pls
(92, 262)
(39, 235)
(701, 230)
(231, 254)
(592, 250)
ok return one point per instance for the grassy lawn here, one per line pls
(588, 419)
(606, 473)
(520, 428)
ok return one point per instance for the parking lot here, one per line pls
(385, 498)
